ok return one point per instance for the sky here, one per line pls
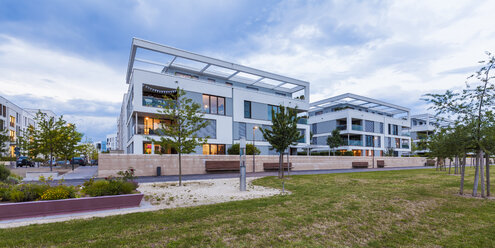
(71, 56)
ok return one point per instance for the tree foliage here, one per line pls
(186, 121)
(335, 140)
(250, 149)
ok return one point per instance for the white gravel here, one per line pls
(168, 195)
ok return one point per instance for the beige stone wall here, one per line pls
(145, 165)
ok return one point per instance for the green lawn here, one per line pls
(412, 208)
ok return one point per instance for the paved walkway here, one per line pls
(81, 172)
(151, 179)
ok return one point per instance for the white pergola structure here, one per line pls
(204, 65)
(370, 104)
(433, 120)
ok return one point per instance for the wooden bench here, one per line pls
(212, 166)
(359, 165)
(380, 163)
(274, 166)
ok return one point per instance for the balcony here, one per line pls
(341, 127)
(357, 127)
(355, 142)
(405, 146)
(302, 121)
(406, 134)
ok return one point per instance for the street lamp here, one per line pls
(254, 149)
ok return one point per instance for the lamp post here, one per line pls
(254, 149)
(373, 155)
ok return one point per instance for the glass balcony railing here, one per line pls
(355, 142)
(357, 127)
(150, 101)
(406, 134)
(405, 146)
(302, 121)
(341, 127)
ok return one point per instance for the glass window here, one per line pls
(206, 149)
(213, 149)
(213, 105)
(12, 121)
(4, 111)
(271, 109)
(221, 106)
(146, 148)
(221, 149)
(247, 109)
(206, 103)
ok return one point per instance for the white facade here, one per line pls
(424, 125)
(235, 98)
(15, 120)
(112, 142)
(366, 125)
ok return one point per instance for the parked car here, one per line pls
(78, 161)
(63, 162)
(94, 162)
(24, 161)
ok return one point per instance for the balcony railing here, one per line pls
(357, 127)
(341, 127)
(405, 146)
(408, 134)
(302, 121)
(150, 101)
(355, 142)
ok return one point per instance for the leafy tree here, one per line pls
(48, 134)
(283, 132)
(390, 152)
(182, 133)
(69, 139)
(335, 140)
(473, 105)
(250, 149)
(4, 141)
(88, 150)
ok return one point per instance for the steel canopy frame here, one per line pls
(351, 99)
(177, 53)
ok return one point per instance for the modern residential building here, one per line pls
(112, 142)
(424, 125)
(101, 146)
(15, 120)
(48, 113)
(367, 125)
(236, 99)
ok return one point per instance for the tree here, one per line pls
(88, 150)
(186, 120)
(283, 132)
(48, 134)
(335, 140)
(250, 149)
(69, 138)
(472, 105)
(28, 142)
(4, 141)
(390, 152)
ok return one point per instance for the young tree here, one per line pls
(4, 141)
(283, 132)
(69, 139)
(335, 140)
(182, 133)
(48, 134)
(250, 149)
(473, 105)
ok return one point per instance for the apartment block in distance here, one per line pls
(424, 125)
(237, 100)
(366, 125)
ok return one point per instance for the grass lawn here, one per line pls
(412, 208)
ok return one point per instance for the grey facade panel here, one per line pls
(259, 111)
(229, 106)
(326, 126)
(369, 126)
(196, 97)
(210, 130)
(258, 136)
(322, 140)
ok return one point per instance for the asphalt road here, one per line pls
(152, 179)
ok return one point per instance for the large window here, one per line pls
(12, 121)
(272, 109)
(214, 104)
(247, 109)
(12, 135)
(213, 149)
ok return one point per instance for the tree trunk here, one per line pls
(463, 169)
(280, 168)
(476, 175)
(450, 164)
(487, 165)
(180, 169)
(50, 162)
(456, 165)
(482, 175)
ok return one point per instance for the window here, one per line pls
(319, 112)
(1, 125)
(247, 109)
(184, 75)
(12, 121)
(213, 149)
(211, 80)
(272, 109)
(252, 88)
(1, 112)
(214, 104)
(397, 143)
(12, 135)
(4, 111)
(228, 84)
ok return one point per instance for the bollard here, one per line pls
(158, 171)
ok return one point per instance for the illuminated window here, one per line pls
(214, 104)
(147, 148)
(12, 121)
(213, 149)
(12, 135)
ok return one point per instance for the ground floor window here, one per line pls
(149, 148)
(356, 152)
(213, 149)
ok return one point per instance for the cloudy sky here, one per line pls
(71, 56)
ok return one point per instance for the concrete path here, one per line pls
(81, 172)
(151, 179)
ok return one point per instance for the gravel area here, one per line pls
(167, 195)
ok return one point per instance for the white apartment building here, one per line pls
(15, 120)
(424, 125)
(367, 125)
(236, 99)
(112, 142)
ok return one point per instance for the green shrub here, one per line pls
(8, 158)
(16, 195)
(5, 191)
(32, 192)
(12, 180)
(4, 173)
(108, 187)
(235, 149)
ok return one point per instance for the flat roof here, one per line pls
(214, 67)
(359, 101)
(441, 121)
